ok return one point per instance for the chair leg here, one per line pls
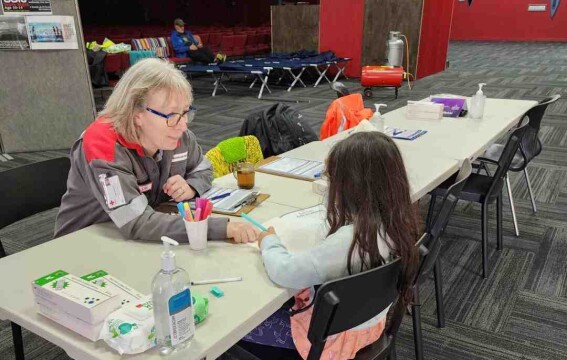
(2, 251)
(438, 277)
(530, 189)
(18, 341)
(392, 355)
(430, 212)
(417, 338)
(512, 205)
(484, 231)
(499, 239)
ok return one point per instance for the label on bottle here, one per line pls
(181, 321)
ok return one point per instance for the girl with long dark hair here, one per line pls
(371, 221)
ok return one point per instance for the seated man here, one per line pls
(185, 44)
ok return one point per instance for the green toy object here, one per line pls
(200, 307)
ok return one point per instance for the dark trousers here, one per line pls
(202, 55)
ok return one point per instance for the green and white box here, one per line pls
(67, 293)
(108, 282)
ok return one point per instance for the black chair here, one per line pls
(345, 303)
(429, 248)
(340, 88)
(25, 191)
(486, 189)
(530, 147)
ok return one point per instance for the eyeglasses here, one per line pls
(172, 119)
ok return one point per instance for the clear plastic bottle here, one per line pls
(477, 103)
(172, 302)
(378, 119)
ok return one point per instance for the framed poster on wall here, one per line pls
(26, 7)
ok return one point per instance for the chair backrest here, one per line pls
(221, 167)
(507, 156)
(33, 188)
(340, 88)
(530, 146)
(345, 303)
(430, 244)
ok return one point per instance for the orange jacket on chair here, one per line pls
(344, 113)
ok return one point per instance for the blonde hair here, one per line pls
(131, 93)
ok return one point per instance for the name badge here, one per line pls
(145, 187)
(113, 194)
(179, 157)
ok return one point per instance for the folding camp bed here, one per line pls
(220, 72)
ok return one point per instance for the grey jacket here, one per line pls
(112, 180)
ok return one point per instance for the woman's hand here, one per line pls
(178, 189)
(241, 232)
(263, 234)
(193, 47)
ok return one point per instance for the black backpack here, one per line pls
(279, 128)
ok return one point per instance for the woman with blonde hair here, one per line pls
(137, 154)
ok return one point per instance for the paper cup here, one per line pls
(197, 233)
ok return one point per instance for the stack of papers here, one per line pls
(403, 134)
(304, 169)
(231, 201)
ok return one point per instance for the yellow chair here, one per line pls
(231, 151)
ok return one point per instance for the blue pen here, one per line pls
(253, 222)
(396, 132)
(181, 209)
(218, 197)
(317, 175)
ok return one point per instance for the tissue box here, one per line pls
(108, 282)
(424, 110)
(72, 295)
(79, 326)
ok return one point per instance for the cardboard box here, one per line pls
(75, 296)
(79, 326)
(108, 282)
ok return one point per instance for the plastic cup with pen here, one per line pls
(196, 225)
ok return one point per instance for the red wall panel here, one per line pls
(508, 20)
(434, 39)
(340, 30)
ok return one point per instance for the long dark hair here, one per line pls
(369, 188)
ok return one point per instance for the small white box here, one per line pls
(424, 110)
(79, 326)
(108, 282)
(75, 296)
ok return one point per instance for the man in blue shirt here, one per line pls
(185, 44)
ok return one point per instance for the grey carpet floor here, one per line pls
(520, 311)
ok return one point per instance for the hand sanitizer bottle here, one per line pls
(172, 302)
(378, 119)
(477, 103)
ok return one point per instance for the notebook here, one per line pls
(403, 134)
(297, 168)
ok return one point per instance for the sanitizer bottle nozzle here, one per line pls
(168, 256)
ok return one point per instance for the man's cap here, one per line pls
(179, 22)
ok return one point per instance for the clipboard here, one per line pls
(284, 174)
(170, 207)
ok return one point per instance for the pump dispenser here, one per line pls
(378, 119)
(477, 103)
(172, 302)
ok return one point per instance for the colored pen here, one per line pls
(198, 214)
(218, 197)
(253, 222)
(317, 175)
(181, 209)
(188, 211)
(216, 281)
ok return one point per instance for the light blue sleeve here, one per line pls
(289, 270)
